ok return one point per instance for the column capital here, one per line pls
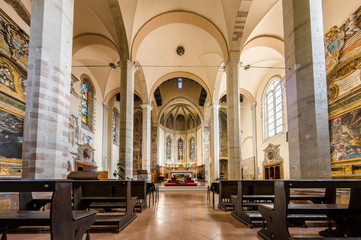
(131, 65)
(146, 106)
(232, 63)
(215, 106)
(105, 106)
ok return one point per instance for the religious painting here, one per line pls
(345, 134)
(180, 149)
(11, 80)
(192, 148)
(84, 103)
(138, 121)
(168, 147)
(11, 135)
(180, 122)
(170, 121)
(14, 42)
(198, 120)
(223, 136)
(162, 120)
(73, 130)
(190, 122)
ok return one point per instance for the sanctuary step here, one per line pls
(183, 189)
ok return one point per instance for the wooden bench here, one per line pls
(214, 188)
(110, 196)
(63, 221)
(252, 193)
(139, 190)
(346, 216)
(227, 188)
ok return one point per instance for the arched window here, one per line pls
(192, 148)
(115, 127)
(168, 148)
(87, 103)
(273, 109)
(84, 103)
(180, 149)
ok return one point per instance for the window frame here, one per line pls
(273, 109)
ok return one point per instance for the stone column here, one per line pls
(215, 141)
(254, 136)
(105, 136)
(126, 116)
(45, 150)
(307, 109)
(147, 119)
(233, 119)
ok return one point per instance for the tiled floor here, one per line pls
(178, 215)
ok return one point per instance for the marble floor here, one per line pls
(178, 215)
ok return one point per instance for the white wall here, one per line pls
(278, 139)
(175, 136)
(246, 129)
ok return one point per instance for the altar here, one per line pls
(181, 175)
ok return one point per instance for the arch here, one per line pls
(113, 92)
(179, 17)
(180, 100)
(237, 32)
(179, 74)
(217, 84)
(142, 83)
(92, 39)
(265, 41)
(245, 93)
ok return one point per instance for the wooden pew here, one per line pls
(252, 193)
(226, 189)
(107, 195)
(214, 188)
(139, 190)
(346, 216)
(63, 221)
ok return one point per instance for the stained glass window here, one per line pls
(84, 103)
(114, 127)
(180, 149)
(192, 148)
(168, 148)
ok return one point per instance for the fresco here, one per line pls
(11, 135)
(345, 134)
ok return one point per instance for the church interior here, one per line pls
(180, 93)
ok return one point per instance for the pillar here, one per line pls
(233, 119)
(215, 140)
(254, 139)
(147, 119)
(105, 137)
(45, 150)
(126, 116)
(307, 109)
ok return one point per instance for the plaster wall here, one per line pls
(279, 139)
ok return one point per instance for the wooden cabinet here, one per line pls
(273, 170)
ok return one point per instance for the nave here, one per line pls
(177, 216)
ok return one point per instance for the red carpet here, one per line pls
(175, 183)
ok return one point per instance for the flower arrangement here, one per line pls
(181, 181)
